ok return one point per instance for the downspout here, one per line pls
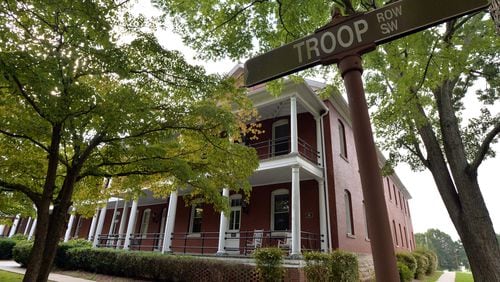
(325, 181)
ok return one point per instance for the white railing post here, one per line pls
(296, 251)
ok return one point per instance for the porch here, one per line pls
(242, 243)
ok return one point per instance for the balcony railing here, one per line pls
(281, 146)
(237, 243)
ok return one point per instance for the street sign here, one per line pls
(375, 27)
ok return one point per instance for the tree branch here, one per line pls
(483, 149)
(7, 186)
(233, 16)
(21, 136)
(280, 15)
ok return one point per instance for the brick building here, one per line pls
(306, 192)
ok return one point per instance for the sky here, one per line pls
(426, 207)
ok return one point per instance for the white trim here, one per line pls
(191, 219)
(274, 193)
(143, 230)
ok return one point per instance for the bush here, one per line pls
(21, 252)
(409, 260)
(317, 266)
(269, 263)
(431, 258)
(62, 259)
(6, 246)
(155, 266)
(344, 266)
(19, 237)
(422, 264)
(336, 266)
(405, 274)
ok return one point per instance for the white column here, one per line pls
(2, 228)
(131, 224)
(32, 230)
(70, 226)
(293, 125)
(112, 224)
(121, 229)
(223, 227)
(322, 216)
(319, 144)
(26, 228)
(169, 228)
(92, 226)
(14, 226)
(295, 212)
(100, 224)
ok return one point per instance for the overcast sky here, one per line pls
(427, 208)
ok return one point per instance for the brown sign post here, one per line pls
(343, 41)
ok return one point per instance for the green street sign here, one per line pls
(379, 26)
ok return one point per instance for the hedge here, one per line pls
(405, 274)
(409, 260)
(336, 266)
(62, 258)
(6, 246)
(422, 264)
(431, 258)
(155, 266)
(269, 264)
(21, 252)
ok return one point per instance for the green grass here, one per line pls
(463, 277)
(433, 278)
(6, 276)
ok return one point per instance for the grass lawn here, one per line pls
(463, 277)
(6, 276)
(433, 278)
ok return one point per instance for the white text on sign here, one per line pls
(345, 36)
(388, 19)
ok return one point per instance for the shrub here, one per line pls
(62, 259)
(405, 274)
(21, 252)
(155, 266)
(6, 246)
(269, 263)
(431, 258)
(409, 260)
(344, 266)
(422, 264)
(19, 237)
(317, 266)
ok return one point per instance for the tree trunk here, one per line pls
(36, 256)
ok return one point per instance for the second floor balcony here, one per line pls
(282, 146)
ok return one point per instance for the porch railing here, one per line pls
(281, 146)
(237, 243)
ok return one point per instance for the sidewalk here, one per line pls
(12, 266)
(447, 277)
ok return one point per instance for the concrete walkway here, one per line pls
(12, 266)
(447, 277)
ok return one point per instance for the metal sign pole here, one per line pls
(382, 246)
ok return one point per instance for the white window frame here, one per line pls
(146, 214)
(275, 193)
(277, 123)
(191, 219)
(342, 140)
(231, 198)
(349, 213)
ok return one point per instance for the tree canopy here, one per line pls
(417, 85)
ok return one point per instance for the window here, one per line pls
(280, 208)
(145, 222)
(366, 222)
(196, 217)
(400, 201)
(349, 221)
(401, 235)
(395, 233)
(389, 188)
(342, 140)
(406, 238)
(281, 138)
(115, 224)
(395, 196)
(235, 215)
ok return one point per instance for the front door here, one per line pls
(233, 229)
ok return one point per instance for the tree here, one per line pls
(451, 254)
(417, 83)
(86, 93)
